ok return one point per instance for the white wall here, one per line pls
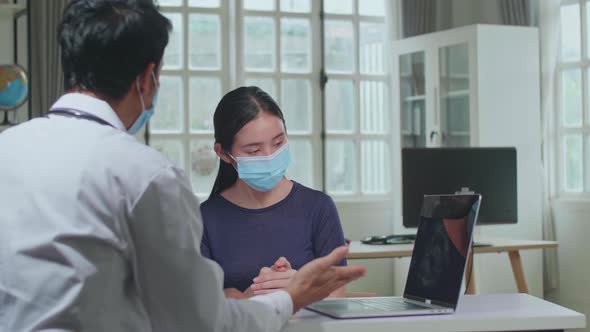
(6, 40)
(572, 230)
(364, 219)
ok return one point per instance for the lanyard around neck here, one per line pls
(79, 115)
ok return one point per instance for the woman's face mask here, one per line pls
(264, 173)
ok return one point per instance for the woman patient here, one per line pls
(258, 225)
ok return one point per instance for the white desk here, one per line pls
(490, 312)
(358, 250)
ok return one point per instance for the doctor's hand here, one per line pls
(320, 277)
(274, 278)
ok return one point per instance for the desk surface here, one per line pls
(358, 250)
(490, 312)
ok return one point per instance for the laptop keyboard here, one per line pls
(387, 304)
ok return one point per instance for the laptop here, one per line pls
(439, 258)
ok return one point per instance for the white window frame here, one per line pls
(356, 77)
(186, 137)
(233, 74)
(583, 64)
(314, 136)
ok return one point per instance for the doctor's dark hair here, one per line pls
(106, 44)
(234, 111)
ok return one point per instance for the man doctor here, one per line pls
(99, 232)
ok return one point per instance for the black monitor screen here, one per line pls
(490, 172)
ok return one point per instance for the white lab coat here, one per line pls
(99, 232)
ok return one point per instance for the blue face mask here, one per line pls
(263, 173)
(146, 114)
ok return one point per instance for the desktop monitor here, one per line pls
(490, 172)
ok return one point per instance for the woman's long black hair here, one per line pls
(234, 111)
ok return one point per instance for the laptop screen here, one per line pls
(441, 248)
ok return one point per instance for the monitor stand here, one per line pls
(464, 191)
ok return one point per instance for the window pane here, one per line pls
(371, 48)
(259, 4)
(173, 53)
(296, 105)
(413, 124)
(338, 6)
(205, 42)
(172, 149)
(573, 158)
(339, 46)
(375, 167)
(455, 120)
(413, 101)
(372, 7)
(266, 84)
(340, 166)
(570, 33)
(204, 166)
(296, 6)
(454, 95)
(170, 3)
(571, 97)
(373, 115)
(259, 43)
(204, 3)
(301, 168)
(454, 68)
(587, 164)
(340, 106)
(205, 94)
(168, 110)
(295, 45)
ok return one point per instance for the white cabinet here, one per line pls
(453, 85)
(477, 85)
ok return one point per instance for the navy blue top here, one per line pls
(301, 227)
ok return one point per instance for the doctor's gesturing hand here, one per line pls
(320, 277)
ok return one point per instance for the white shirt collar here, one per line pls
(87, 104)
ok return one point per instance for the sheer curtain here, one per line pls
(46, 71)
(515, 12)
(419, 17)
(549, 30)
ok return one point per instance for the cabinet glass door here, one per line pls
(412, 99)
(454, 95)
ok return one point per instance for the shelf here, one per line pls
(454, 76)
(457, 133)
(456, 94)
(10, 10)
(415, 98)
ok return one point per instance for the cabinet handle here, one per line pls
(433, 135)
(436, 106)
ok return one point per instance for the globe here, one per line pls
(14, 87)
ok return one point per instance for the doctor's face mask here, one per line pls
(146, 114)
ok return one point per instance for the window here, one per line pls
(217, 45)
(358, 137)
(277, 52)
(573, 122)
(194, 77)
